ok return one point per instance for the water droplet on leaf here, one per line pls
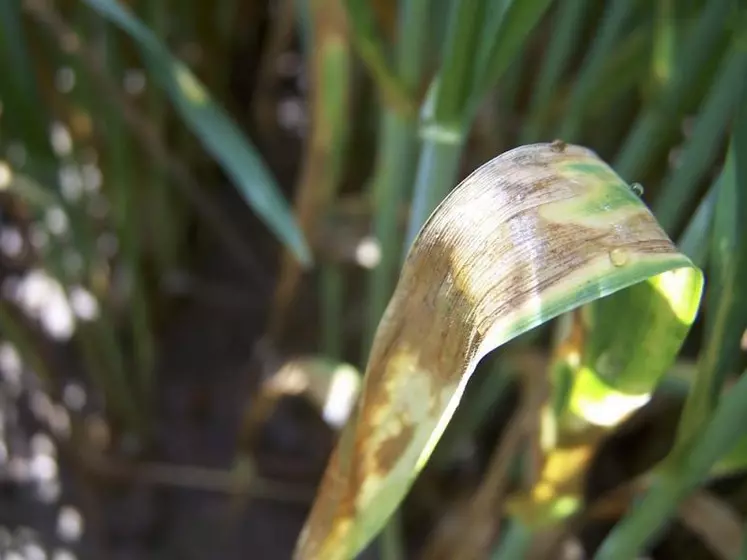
(619, 257)
(637, 188)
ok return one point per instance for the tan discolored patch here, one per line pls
(390, 450)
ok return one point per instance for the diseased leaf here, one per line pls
(536, 232)
(218, 134)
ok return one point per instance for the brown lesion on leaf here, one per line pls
(391, 449)
(432, 322)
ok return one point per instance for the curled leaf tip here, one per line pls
(535, 232)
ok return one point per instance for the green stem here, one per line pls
(332, 286)
(647, 520)
(462, 45)
(727, 306)
(122, 172)
(679, 474)
(437, 168)
(515, 543)
(616, 16)
(391, 539)
(702, 147)
(743, 553)
(333, 85)
(412, 44)
(707, 384)
(23, 113)
(305, 24)
(665, 43)
(165, 211)
(392, 180)
(562, 45)
(695, 240)
(648, 134)
(370, 47)
(505, 29)
(397, 150)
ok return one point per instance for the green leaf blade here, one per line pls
(701, 149)
(726, 323)
(217, 132)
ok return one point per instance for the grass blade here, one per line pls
(510, 86)
(726, 299)
(665, 43)
(564, 40)
(616, 17)
(694, 241)
(514, 544)
(703, 146)
(647, 137)
(438, 166)
(23, 111)
(165, 216)
(370, 47)
(460, 50)
(330, 62)
(678, 476)
(500, 46)
(122, 171)
(620, 73)
(218, 134)
(396, 158)
(98, 343)
(467, 287)
(443, 115)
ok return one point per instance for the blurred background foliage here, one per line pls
(203, 209)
